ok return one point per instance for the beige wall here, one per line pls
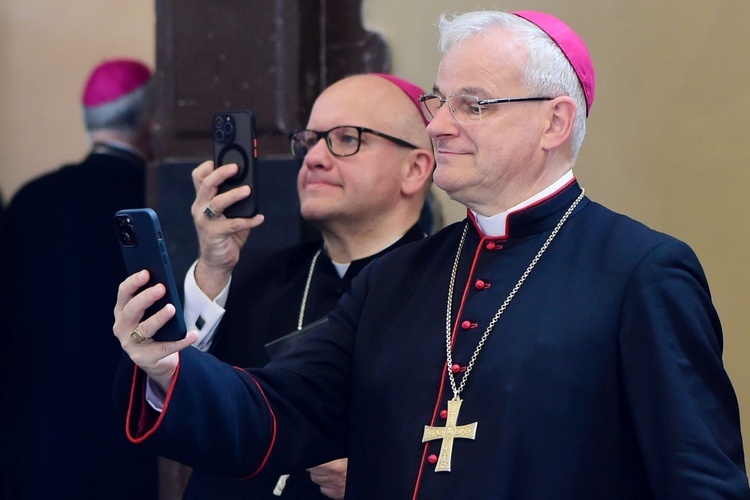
(667, 141)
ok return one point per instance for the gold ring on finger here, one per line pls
(137, 336)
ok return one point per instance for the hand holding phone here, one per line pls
(143, 247)
(235, 141)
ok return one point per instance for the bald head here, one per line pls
(370, 101)
(373, 195)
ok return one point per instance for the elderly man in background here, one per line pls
(61, 263)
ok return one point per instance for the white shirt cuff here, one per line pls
(202, 313)
(154, 395)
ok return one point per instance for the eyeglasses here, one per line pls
(466, 108)
(344, 140)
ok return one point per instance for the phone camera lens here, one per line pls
(219, 135)
(228, 128)
(219, 121)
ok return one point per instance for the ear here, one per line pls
(562, 115)
(419, 165)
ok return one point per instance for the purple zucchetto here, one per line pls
(113, 79)
(571, 45)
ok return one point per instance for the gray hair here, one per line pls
(547, 72)
(128, 115)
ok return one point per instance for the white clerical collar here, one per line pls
(496, 225)
(341, 269)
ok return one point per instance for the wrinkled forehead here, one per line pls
(483, 65)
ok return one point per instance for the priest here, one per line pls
(363, 186)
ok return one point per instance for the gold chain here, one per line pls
(457, 390)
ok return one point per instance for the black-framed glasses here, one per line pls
(466, 108)
(343, 140)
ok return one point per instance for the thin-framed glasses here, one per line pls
(466, 108)
(344, 140)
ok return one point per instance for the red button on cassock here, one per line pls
(432, 459)
(466, 324)
(456, 368)
(479, 284)
(490, 245)
(444, 414)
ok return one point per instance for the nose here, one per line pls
(318, 156)
(442, 123)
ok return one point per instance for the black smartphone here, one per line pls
(235, 141)
(143, 247)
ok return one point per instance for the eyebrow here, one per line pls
(475, 91)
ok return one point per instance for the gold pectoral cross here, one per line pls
(448, 433)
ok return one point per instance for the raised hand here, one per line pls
(220, 238)
(158, 359)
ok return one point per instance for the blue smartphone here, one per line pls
(143, 247)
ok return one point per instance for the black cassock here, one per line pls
(602, 379)
(264, 303)
(62, 266)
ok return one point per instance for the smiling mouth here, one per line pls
(447, 152)
(319, 183)
(440, 149)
